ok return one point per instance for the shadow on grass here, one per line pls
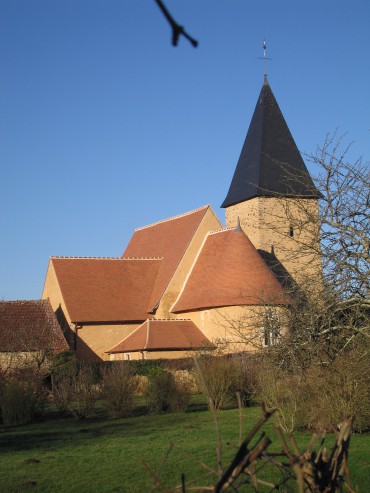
(58, 432)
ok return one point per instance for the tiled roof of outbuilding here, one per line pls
(157, 335)
(29, 325)
(106, 289)
(168, 239)
(229, 272)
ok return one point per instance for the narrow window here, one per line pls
(291, 231)
(127, 356)
(271, 328)
(266, 337)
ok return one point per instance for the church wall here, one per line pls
(94, 340)
(150, 355)
(53, 292)
(286, 227)
(236, 328)
(210, 222)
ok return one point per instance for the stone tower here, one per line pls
(273, 198)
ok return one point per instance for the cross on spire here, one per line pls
(264, 58)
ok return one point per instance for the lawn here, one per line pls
(100, 455)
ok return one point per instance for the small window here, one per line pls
(291, 231)
(127, 356)
(271, 328)
(266, 338)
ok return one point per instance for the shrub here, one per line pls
(338, 392)
(216, 376)
(22, 397)
(245, 371)
(164, 393)
(323, 397)
(75, 390)
(119, 385)
(282, 392)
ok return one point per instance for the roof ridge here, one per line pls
(231, 228)
(106, 258)
(141, 258)
(173, 217)
(24, 301)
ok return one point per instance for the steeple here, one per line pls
(270, 164)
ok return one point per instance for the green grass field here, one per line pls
(100, 455)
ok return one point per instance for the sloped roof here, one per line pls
(169, 240)
(106, 289)
(270, 163)
(228, 272)
(29, 325)
(157, 335)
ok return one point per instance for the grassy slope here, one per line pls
(105, 455)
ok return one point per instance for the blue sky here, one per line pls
(105, 127)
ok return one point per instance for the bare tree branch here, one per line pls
(177, 30)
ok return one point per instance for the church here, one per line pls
(183, 281)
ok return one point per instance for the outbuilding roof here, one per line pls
(159, 335)
(270, 163)
(229, 272)
(106, 289)
(29, 325)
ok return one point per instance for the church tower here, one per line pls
(273, 198)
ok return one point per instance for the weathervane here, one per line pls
(264, 58)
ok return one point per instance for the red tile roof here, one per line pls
(157, 335)
(29, 325)
(229, 272)
(106, 289)
(169, 240)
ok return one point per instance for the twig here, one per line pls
(177, 30)
(240, 417)
(214, 414)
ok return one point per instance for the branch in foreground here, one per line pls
(177, 30)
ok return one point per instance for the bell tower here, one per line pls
(273, 197)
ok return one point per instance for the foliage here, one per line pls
(281, 392)
(245, 379)
(322, 397)
(164, 393)
(22, 397)
(331, 395)
(222, 377)
(119, 385)
(75, 390)
(216, 377)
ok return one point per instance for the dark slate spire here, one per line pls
(270, 164)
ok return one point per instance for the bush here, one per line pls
(22, 397)
(322, 398)
(119, 385)
(164, 393)
(245, 371)
(338, 392)
(216, 376)
(75, 390)
(281, 391)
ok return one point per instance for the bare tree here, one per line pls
(344, 216)
(329, 258)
